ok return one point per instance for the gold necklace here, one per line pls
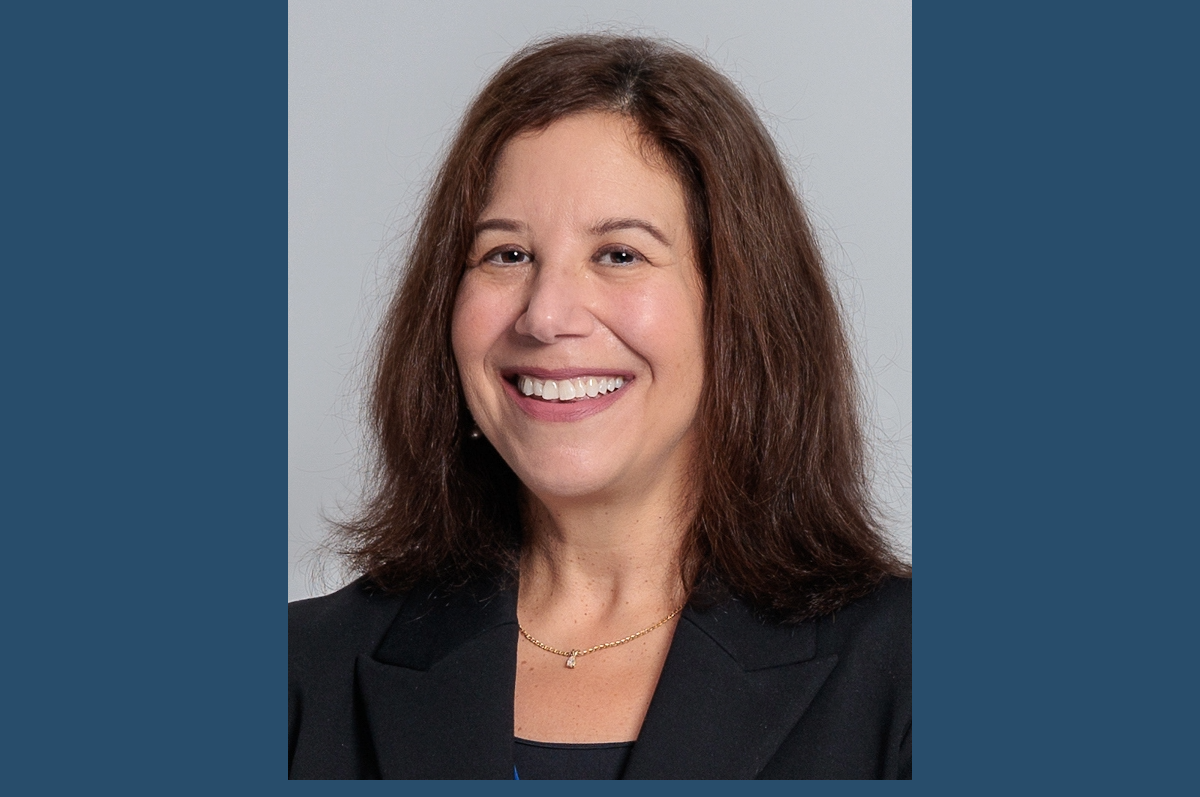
(572, 654)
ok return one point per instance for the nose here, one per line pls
(558, 304)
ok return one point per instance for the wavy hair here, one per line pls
(783, 505)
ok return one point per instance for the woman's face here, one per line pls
(582, 282)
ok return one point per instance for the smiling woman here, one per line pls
(615, 419)
(575, 279)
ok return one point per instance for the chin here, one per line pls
(566, 478)
(567, 490)
(568, 483)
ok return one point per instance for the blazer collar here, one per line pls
(437, 693)
(732, 688)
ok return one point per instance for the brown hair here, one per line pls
(783, 513)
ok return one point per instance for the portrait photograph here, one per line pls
(600, 390)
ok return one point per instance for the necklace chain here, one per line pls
(572, 654)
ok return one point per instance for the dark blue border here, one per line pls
(145, 193)
(1055, 280)
(1055, 268)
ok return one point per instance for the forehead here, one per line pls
(590, 162)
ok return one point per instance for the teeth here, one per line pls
(584, 387)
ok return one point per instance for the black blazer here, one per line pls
(421, 686)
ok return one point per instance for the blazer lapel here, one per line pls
(437, 694)
(731, 690)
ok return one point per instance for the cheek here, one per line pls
(468, 339)
(665, 324)
(468, 325)
(468, 342)
(480, 322)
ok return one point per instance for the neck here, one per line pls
(606, 561)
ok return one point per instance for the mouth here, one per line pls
(574, 389)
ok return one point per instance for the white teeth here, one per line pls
(583, 387)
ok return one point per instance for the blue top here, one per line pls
(555, 761)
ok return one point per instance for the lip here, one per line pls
(561, 411)
(562, 373)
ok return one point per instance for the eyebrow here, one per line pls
(612, 225)
(503, 225)
(600, 228)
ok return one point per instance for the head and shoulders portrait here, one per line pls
(624, 508)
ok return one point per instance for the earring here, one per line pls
(475, 434)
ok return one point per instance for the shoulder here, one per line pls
(879, 622)
(874, 631)
(343, 624)
(885, 613)
(859, 724)
(326, 636)
(871, 641)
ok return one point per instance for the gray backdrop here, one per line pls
(374, 90)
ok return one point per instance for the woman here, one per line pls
(620, 526)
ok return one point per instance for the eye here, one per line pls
(507, 256)
(619, 256)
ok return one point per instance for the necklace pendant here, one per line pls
(571, 660)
